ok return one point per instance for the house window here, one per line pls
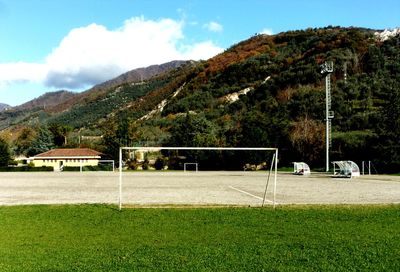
(44, 160)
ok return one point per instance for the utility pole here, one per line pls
(327, 69)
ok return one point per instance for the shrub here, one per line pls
(27, 169)
(132, 164)
(159, 163)
(71, 168)
(12, 163)
(145, 164)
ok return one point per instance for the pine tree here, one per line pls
(5, 155)
(42, 143)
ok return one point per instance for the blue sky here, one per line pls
(47, 45)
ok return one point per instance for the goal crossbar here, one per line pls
(275, 161)
(200, 148)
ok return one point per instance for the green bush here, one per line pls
(88, 168)
(159, 164)
(27, 169)
(145, 165)
(12, 163)
(71, 168)
(99, 167)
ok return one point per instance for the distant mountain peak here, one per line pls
(133, 76)
(48, 99)
(140, 74)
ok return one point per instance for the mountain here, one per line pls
(269, 91)
(32, 111)
(4, 106)
(136, 75)
(46, 100)
(48, 107)
(265, 91)
(139, 75)
(124, 100)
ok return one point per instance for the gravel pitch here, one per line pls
(202, 188)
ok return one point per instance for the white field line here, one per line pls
(247, 193)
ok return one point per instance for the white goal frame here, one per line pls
(191, 163)
(274, 161)
(112, 163)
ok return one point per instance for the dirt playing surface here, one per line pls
(202, 188)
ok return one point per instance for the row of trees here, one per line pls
(32, 140)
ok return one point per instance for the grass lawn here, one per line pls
(100, 238)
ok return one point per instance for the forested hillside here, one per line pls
(266, 91)
(34, 110)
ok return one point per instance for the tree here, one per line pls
(159, 164)
(307, 137)
(5, 155)
(197, 131)
(194, 130)
(24, 141)
(60, 133)
(110, 140)
(389, 131)
(145, 135)
(42, 143)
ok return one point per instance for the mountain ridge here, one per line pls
(135, 75)
(48, 99)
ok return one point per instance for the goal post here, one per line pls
(273, 168)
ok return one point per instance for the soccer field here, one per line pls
(149, 188)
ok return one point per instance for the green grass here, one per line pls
(101, 238)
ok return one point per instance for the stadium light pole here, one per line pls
(327, 69)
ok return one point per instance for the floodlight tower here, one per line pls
(327, 69)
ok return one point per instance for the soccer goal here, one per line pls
(187, 165)
(103, 165)
(107, 165)
(160, 176)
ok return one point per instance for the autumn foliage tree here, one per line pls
(5, 155)
(307, 137)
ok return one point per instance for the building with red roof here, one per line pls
(61, 157)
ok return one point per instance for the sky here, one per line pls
(49, 45)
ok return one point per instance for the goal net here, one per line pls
(197, 176)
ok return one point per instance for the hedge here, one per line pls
(27, 169)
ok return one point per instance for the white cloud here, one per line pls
(201, 51)
(267, 31)
(92, 54)
(214, 27)
(21, 72)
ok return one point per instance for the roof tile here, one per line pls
(69, 152)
